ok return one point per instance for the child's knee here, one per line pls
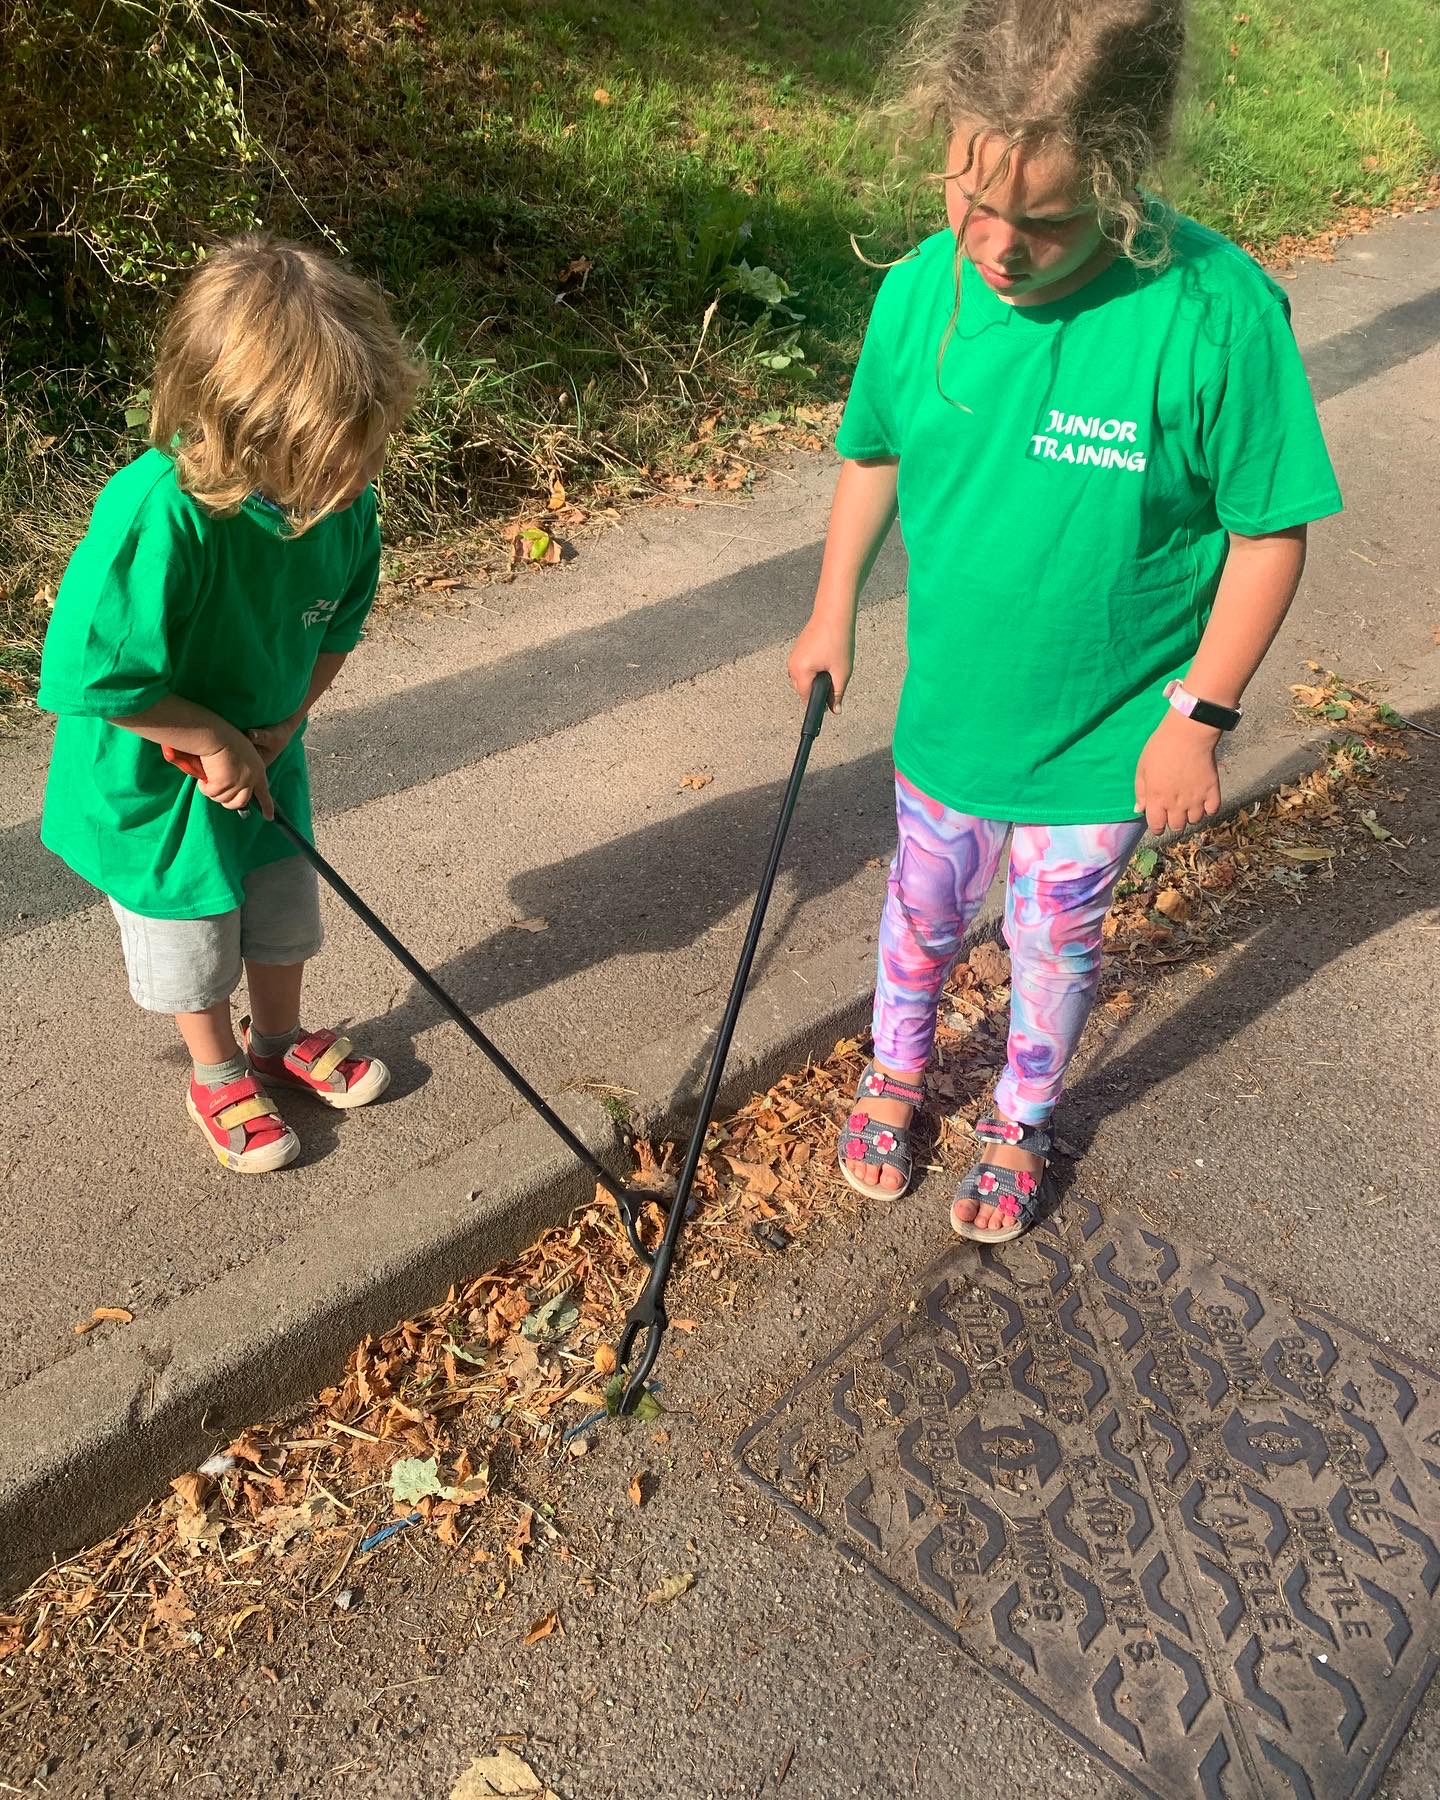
(1045, 950)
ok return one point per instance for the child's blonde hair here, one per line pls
(279, 373)
(1097, 78)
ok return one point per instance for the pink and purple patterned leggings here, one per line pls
(1061, 881)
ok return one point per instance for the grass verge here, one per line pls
(621, 231)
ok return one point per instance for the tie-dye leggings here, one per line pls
(1061, 881)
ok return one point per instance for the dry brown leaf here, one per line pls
(535, 924)
(522, 1363)
(636, 1488)
(543, 1628)
(1173, 904)
(671, 1588)
(602, 97)
(684, 1324)
(522, 1538)
(287, 1526)
(990, 963)
(172, 1610)
(604, 1359)
(503, 1776)
(695, 780)
(758, 1177)
(193, 1489)
(513, 1306)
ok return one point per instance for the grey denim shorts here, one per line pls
(187, 965)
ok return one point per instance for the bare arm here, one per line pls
(1259, 581)
(1176, 782)
(270, 740)
(235, 762)
(234, 767)
(861, 513)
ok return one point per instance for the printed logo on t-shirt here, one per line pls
(1089, 440)
(320, 612)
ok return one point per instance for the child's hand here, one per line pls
(822, 648)
(1176, 782)
(270, 740)
(235, 776)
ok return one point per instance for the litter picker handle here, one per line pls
(648, 1315)
(625, 1202)
(821, 690)
(184, 761)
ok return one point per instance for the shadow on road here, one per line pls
(1282, 954)
(661, 889)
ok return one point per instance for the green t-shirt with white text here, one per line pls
(1068, 476)
(163, 598)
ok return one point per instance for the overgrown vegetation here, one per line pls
(606, 220)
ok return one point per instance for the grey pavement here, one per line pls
(524, 761)
(1276, 1105)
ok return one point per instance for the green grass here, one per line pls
(1297, 112)
(559, 254)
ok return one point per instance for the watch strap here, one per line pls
(1203, 712)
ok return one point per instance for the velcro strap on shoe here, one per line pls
(258, 1107)
(875, 1086)
(325, 1065)
(1033, 1138)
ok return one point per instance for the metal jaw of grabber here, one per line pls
(648, 1314)
(629, 1203)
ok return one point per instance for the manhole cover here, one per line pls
(1194, 1525)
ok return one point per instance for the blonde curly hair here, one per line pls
(1097, 78)
(280, 373)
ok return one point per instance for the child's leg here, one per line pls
(209, 1036)
(944, 864)
(280, 931)
(189, 968)
(1062, 879)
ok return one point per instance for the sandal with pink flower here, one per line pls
(1016, 1193)
(863, 1139)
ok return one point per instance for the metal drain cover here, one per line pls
(1196, 1526)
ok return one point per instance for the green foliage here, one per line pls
(601, 218)
(123, 144)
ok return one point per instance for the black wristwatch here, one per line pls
(1203, 712)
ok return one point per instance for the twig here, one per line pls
(710, 311)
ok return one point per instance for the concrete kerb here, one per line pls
(91, 1439)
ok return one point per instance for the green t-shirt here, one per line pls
(1068, 475)
(163, 598)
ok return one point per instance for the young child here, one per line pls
(1093, 418)
(225, 576)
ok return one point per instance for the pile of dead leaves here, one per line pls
(442, 1423)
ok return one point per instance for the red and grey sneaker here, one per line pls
(324, 1064)
(242, 1125)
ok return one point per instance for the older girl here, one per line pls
(1093, 419)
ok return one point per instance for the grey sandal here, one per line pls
(1016, 1192)
(864, 1139)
